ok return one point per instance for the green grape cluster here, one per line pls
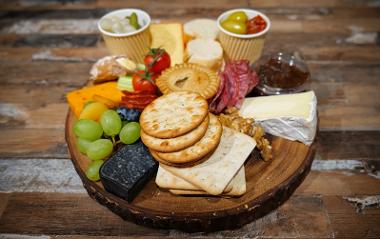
(97, 139)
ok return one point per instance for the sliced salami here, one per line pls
(237, 80)
(216, 99)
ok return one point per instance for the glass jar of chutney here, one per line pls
(282, 73)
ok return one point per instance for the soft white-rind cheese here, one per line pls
(292, 116)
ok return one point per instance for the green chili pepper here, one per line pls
(134, 21)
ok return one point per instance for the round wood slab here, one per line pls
(269, 184)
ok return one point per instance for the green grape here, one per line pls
(99, 149)
(130, 133)
(124, 122)
(88, 129)
(82, 145)
(111, 122)
(92, 172)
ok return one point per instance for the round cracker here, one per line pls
(200, 149)
(174, 114)
(177, 143)
(179, 165)
(190, 77)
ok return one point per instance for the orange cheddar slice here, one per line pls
(78, 98)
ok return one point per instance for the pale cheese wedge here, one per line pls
(214, 174)
(291, 116)
(205, 52)
(169, 36)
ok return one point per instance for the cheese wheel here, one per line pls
(205, 52)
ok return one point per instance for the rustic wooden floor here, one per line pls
(47, 48)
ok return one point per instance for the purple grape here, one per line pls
(127, 114)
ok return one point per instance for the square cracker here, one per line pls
(165, 179)
(238, 186)
(214, 174)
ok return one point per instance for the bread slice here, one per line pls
(199, 150)
(177, 143)
(205, 52)
(201, 28)
(214, 174)
(174, 114)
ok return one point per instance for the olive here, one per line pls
(238, 16)
(234, 27)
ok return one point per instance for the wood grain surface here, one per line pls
(47, 48)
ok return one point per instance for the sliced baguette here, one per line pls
(205, 52)
(201, 28)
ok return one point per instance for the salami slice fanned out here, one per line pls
(233, 90)
(237, 80)
(254, 80)
(224, 97)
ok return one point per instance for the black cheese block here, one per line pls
(127, 171)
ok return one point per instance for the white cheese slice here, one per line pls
(214, 174)
(292, 116)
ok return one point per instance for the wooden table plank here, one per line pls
(39, 213)
(91, 4)
(78, 214)
(347, 222)
(34, 143)
(348, 145)
(193, 11)
(23, 214)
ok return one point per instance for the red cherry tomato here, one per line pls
(142, 82)
(157, 60)
(148, 60)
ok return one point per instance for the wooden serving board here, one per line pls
(269, 184)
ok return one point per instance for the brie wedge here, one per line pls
(292, 116)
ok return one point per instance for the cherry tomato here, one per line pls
(157, 60)
(148, 60)
(142, 82)
(238, 16)
(234, 27)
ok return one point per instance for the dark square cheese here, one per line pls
(127, 171)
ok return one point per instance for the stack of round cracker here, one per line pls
(179, 130)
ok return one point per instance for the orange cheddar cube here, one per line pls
(78, 98)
